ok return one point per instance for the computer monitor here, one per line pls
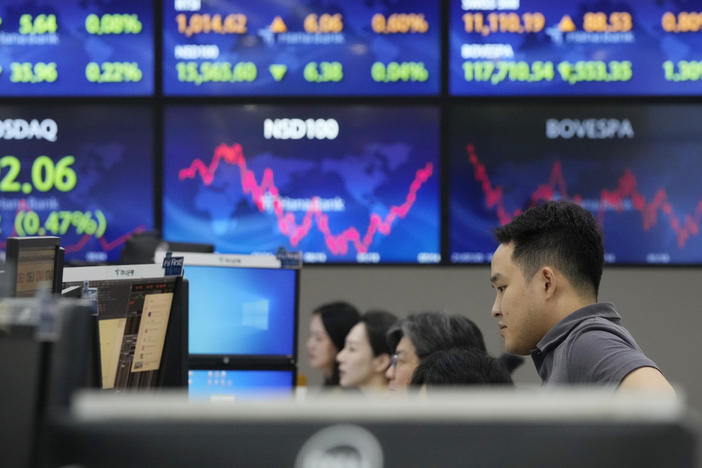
(487, 428)
(42, 345)
(240, 311)
(135, 316)
(21, 364)
(240, 384)
(31, 262)
(143, 247)
(139, 248)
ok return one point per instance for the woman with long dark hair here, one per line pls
(329, 325)
(366, 354)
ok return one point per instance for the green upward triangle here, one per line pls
(278, 71)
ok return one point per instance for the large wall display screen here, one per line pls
(83, 173)
(76, 48)
(292, 47)
(635, 167)
(575, 47)
(340, 184)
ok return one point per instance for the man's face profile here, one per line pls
(516, 307)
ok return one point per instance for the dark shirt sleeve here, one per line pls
(599, 355)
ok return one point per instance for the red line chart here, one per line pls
(104, 243)
(337, 244)
(626, 189)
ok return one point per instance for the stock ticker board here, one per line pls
(370, 48)
(541, 47)
(76, 48)
(288, 47)
(69, 171)
(634, 166)
(341, 184)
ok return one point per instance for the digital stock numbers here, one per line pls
(279, 48)
(539, 47)
(39, 24)
(80, 171)
(682, 23)
(46, 175)
(114, 55)
(34, 72)
(113, 24)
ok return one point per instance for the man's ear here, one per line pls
(381, 363)
(549, 281)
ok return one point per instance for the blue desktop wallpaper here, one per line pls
(576, 47)
(288, 47)
(340, 184)
(239, 384)
(80, 172)
(76, 48)
(634, 166)
(241, 311)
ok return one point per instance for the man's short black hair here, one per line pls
(561, 234)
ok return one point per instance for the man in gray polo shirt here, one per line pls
(546, 273)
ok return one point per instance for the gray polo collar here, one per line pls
(559, 331)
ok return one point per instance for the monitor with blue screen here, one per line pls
(233, 385)
(241, 311)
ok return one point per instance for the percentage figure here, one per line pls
(113, 24)
(682, 22)
(113, 72)
(394, 72)
(399, 23)
(684, 70)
